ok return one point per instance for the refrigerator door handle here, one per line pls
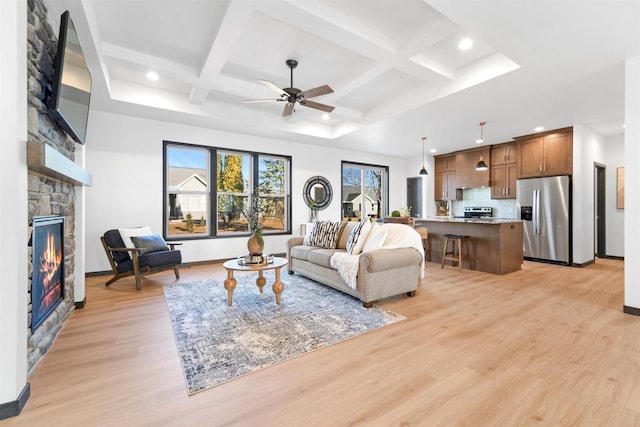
(536, 211)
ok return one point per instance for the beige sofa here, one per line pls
(383, 272)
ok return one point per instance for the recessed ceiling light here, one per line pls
(539, 129)
(326, 116)
(153, 76)
(465, 44)
(624, 126)
(433, 150)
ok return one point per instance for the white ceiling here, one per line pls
(394, 66)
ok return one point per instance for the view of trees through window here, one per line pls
(239, 177)
(364, 191)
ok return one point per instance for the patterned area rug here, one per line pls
(217, 343)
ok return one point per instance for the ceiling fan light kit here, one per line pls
(481, 165)
(292, 95)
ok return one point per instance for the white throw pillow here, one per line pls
(126, 233)
(376, 238)
(358, 237)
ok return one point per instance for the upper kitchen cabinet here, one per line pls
(545, 154)
(466, 174)
(445, 163)
(445, 177)
(504, 167)
(504, 154)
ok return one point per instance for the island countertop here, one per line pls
(495, 245)
(490, 220)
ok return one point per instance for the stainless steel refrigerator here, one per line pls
(544, 205)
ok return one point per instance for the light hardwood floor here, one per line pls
(547, 345)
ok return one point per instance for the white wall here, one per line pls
(614, 158)
(632, 183)
(124, 155)
(13, 197)
(587, 149)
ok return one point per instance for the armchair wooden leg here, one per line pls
(113, 279)
(136, 271)
(175, 270)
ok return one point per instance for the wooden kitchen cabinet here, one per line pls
(445, 163)
(504, 154)
(445, 186)
(548, 154)
(445, 177)
(503, 181)
(466, 174)
(504, 170)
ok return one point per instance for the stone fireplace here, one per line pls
(54, 188)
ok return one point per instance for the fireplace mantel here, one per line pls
(44, 159)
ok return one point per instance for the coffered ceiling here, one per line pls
(394, 65)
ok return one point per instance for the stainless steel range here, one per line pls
(478, 212)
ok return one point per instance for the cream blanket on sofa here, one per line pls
(397, 236)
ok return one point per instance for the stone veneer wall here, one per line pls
(46, 195)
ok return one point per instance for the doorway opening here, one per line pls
(600, 220)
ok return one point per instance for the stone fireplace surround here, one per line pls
(54, 179)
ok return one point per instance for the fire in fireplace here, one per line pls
(47, 279)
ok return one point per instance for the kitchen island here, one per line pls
(495, 245)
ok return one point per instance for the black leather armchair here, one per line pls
(136, 261)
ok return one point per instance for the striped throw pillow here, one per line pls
(358, 236)
(324, 234)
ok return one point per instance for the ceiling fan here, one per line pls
(291, 95)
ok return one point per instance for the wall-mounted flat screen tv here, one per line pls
(71, 83)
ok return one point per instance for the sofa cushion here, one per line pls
(358, 236)
(153, 243)
(324, 234)
(302, 252)
(344, 234)
(322, 257)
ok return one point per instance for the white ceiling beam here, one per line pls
(233, 24)
(326, 23)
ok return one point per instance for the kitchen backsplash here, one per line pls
(481, 197)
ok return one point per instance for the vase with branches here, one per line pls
(253, 213)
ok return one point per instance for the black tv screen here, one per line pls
(71, 84)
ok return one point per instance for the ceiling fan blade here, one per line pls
(273, 87)
(317, 105)
(316, 91)
(251, 101)
(288, 109)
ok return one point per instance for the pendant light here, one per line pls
(423, 171)
(481, 165)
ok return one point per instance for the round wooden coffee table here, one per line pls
(233, 265)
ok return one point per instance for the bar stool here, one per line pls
(426, 245)
(450, 254)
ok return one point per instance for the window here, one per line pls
(196, 209)
(364, 190)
